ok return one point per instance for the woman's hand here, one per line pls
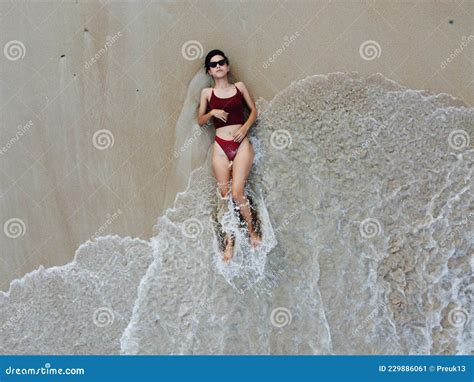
(219, 113)
(240, 134)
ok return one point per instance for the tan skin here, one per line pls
(239, 168)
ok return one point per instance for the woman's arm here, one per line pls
(253, 109)
(203, 117)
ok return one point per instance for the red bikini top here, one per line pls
(233, 105)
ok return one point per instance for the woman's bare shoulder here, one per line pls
(207, 93)
(241, 86)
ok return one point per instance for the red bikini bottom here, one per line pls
(230, 147)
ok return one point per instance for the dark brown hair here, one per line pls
(211, 54)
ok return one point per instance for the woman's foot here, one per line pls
(255, 240)
(229, 249)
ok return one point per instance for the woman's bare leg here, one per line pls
(222, 173)
(240, 170)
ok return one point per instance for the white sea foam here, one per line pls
(363, 198)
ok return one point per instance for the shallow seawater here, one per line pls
(361, 191)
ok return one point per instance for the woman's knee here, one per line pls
(224, 188)
(238, 195)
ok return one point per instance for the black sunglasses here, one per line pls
(214, 63)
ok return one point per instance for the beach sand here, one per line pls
(361, 178)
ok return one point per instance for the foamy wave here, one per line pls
(363, 194)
